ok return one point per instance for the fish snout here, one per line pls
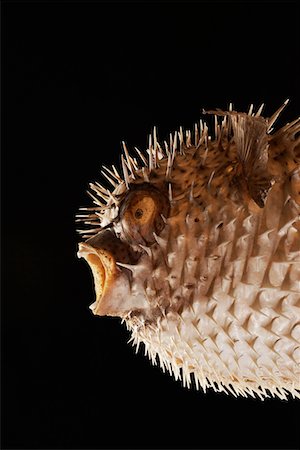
(102, 252)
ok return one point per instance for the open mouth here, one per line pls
(112, 283)
(103, 269)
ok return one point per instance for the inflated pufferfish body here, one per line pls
(197, 248)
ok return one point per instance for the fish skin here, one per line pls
(197, 249)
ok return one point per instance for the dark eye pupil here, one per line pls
(138, 213)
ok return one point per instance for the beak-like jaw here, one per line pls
(114, 296)
(105, 273)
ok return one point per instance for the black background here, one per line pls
(77, 79)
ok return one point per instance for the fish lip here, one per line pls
(103, 267)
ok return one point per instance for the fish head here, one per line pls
(117, 255)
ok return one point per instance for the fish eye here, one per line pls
(141, 214)
(142, 208)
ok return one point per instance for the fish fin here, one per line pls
(251, 139)
(250, 135)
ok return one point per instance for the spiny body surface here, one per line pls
(197, 249)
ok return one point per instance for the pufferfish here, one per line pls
(197, 249)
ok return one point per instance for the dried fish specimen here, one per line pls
(197, 249)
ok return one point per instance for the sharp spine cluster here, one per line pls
(239, 234)
(156, 152)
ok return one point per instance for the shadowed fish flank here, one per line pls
(197, 249)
